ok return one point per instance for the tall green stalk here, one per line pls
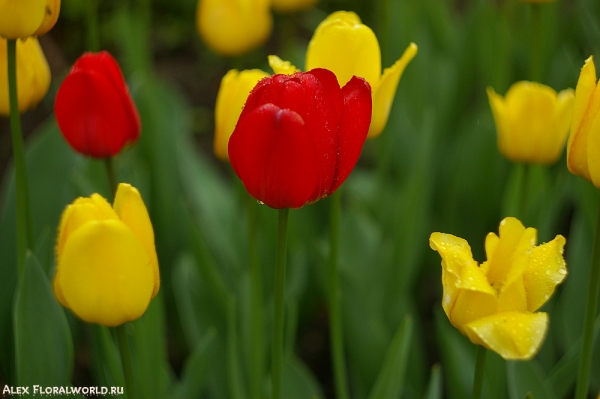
(335, 317)
(585, 356)
(112, 177)
(479, 372)
(93, 26)
(256, 369)
(280, 263)
(536, 52)
(24, 226)
(123, 343)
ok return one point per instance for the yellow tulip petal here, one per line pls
(105, 275)
(33, 75)
(52, 10)
(20, 19)
(233, 93)
(499, 112)
(512, 335)
(512, 297)
(346, 47)
(585, 109)
(467, 294)
(280, 66)
(562, 120)
(130, 208)
(547, 269)
(385, 91)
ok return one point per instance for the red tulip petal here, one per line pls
(332, 87)
(94, 109)
(273, 154)
(353, 127)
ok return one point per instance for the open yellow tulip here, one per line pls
(233, 92)
(24, 18)
(342, 44)
(106, 264)
(33, 75)
(532, 121)
(493, 304)
(583, 149)
(233, 27)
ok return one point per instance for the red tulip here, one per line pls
(299, 136)
(94, 109)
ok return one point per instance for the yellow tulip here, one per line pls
(33, 75)
(292, 5)
(583, 149)
(106, 264)
(494, 303)
(24, 18)
(342, 44)
(233, 92)
(233, 27)
(532, 121)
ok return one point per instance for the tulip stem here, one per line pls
(536, 43)
(93, 30)
(112, 177)
(335, 317)
(277, 351)
(479, 369)
(126, 361)
(24, 227)
(585, 356)
(257, 327)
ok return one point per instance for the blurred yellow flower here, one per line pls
(583, 149)
(33, 75)
(106, 264)
(493, 304)
(532, 121)
(233, 92)
(233, 27)
(292, 5)
(24, 18)
(342, 44)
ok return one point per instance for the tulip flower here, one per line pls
(532, 122)
(342, 44)
(292, 5)
(233, 27)
(299, 136)
(33, 75)
(24, 18)
(583, 149)
(106, 264)
(494, 304)
(94, 109)
(233, 92)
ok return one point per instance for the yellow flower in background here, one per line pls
(33, 75)
(532, 121)
(493, 304)
(106, 264)
(233, 27)
(583, 149)
(24, 18)
(342, 44)
(292, 5)
(233, 93)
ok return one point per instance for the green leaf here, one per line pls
(524, 377)
(298, 382)
(391, 376)
(106, 363)
(43, 344)
(434, 388)
(195, 369)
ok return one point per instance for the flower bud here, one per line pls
(24, 18)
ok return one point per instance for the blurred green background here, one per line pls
(435, 167)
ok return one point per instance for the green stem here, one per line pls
(256, 305)
(335, 317)
(93, 29)
(479, 369)
(232, 351)
(585, 357)
(514, 192)
(277, 351)
(112, 177)
(131, 393)
(24, 227)
(536, 43)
